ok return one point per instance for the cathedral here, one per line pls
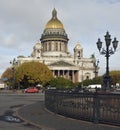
(52, 50)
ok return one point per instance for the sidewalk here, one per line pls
(37, 115)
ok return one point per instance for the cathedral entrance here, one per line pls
(68, 74)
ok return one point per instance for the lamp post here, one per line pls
(14, 63)
(107, 52)
(96, 67)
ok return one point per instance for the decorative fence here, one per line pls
(96, 107)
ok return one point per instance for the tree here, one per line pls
(8, 75)
(61, 83)
(115, 77)
(33, 73)
(96, 80)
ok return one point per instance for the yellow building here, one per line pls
(52, 50)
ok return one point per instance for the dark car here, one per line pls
(31, 90)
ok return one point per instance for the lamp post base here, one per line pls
(106, 83)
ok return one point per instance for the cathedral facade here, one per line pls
(52, 50)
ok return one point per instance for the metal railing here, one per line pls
(96, 107)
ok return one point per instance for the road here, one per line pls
(9, 103)
(30, 107)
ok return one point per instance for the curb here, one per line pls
(43, 127)
(30, 122)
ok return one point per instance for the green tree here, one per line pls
(115, 77)
(97, 80)
(33, 73)
(61, 83)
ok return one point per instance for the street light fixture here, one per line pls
(14, 63)
(107, 52)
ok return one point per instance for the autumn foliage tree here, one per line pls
(115, 77)
(7, 74)
(33, 73)
(7, 77)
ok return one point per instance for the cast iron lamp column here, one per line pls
(107, 52)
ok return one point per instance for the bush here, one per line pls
(61, 83)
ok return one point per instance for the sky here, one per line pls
(22, 22)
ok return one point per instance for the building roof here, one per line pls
(54, 22)
(61, 63)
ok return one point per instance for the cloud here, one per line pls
(22, 23)
(8, 40)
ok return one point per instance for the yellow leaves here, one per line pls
(115, 76)
(115, 72)
(8, 73)
(34, 72)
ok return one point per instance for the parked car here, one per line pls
(31, 90)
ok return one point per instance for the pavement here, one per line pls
(36, 114)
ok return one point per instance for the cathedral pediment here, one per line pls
(61, 63)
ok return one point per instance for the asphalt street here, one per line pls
(20, 111)
(9, 104)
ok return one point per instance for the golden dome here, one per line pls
(54, 23)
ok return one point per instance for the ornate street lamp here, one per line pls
(13, 63)
(107, 52)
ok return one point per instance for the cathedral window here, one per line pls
(87, 75)
(78, 54)
(38, 50)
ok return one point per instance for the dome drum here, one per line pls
(51, 34)
(55, 40)
(55, 31)
(54, 37)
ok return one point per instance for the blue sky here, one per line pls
(22, 23)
